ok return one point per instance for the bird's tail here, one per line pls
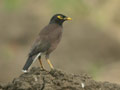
(29, 61)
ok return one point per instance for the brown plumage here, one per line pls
(47, 41)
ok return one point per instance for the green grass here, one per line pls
(11, 5)
(69, 6)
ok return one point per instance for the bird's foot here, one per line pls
(42, 68)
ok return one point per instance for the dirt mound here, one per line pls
(38, 79)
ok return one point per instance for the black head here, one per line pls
(59, 19)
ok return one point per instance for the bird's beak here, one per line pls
(67, 18)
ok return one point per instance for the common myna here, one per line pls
(47, 41)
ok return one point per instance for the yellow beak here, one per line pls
(67, 18)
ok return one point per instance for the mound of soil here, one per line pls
(37, 79)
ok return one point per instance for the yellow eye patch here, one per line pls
(59, 17)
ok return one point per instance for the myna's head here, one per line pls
(59, 19)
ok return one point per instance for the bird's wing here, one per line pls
(38, 47)
(41, 44)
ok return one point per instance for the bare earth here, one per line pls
(38, 79)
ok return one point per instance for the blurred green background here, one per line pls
(90, 43)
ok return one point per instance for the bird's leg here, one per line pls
(40, 62)
(50, 64)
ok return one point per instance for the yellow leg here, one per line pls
(41, 64)
(50, 64)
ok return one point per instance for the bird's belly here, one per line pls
(53, 46)
(54, 41)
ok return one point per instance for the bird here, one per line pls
(47, 41)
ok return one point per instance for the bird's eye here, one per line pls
(59, 17)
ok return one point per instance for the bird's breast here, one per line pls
(54, 40)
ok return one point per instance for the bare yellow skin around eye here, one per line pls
(59, 17)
